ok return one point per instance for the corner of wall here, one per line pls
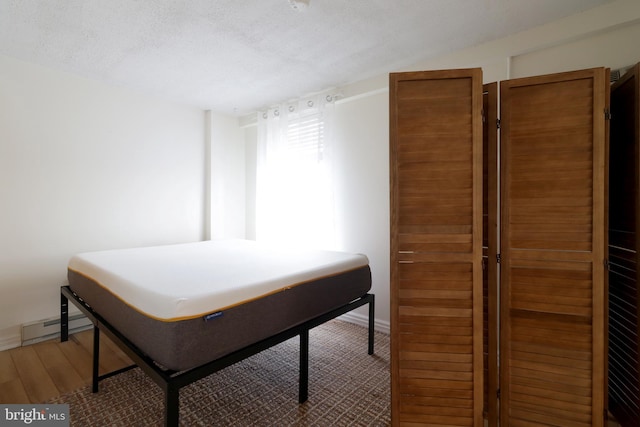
(207, 174)
(380, 325)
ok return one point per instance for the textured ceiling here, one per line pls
(237, 56)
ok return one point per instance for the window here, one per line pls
(294, 188)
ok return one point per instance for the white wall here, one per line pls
(617, 48)
(603, 36)
(86, 166)
(251, 164)
(226, 177)
(361, 162)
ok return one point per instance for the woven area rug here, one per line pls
(347, 387)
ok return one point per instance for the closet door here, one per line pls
(624, 319)
(489, 249)
(436, 248)
(553, 249)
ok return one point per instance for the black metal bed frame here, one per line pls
(171, 381)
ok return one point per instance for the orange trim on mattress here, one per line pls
(195, 316)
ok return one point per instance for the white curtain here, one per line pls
(294, 177)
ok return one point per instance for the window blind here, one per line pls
(305, 137)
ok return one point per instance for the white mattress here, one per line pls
(177, 282)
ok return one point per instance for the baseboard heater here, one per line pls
(47, 329)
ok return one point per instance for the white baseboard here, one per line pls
(47, 329)
(363, 320)
(41, 330)
(10, 338)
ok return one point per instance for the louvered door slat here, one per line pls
(436, 248)
(553, 146)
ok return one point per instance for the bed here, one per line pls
(184, 311)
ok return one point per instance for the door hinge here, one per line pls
(498, 393)
(484, 117)
(498, 258)
(607, 114)
(607, 266)
(498, 123)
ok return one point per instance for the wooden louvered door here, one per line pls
(624, 185)
(553, 249)
(436, 248)
(490, 249)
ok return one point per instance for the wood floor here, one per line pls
(39, 372)
(42, 371)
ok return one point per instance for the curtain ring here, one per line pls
(265, 115)
(310, 103)
(276, 112)
(291, 108)
(329, 98)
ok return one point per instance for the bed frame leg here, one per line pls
(64, 318)
(372, 307)
(303, 390)
(96, 358)
(172, 406)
